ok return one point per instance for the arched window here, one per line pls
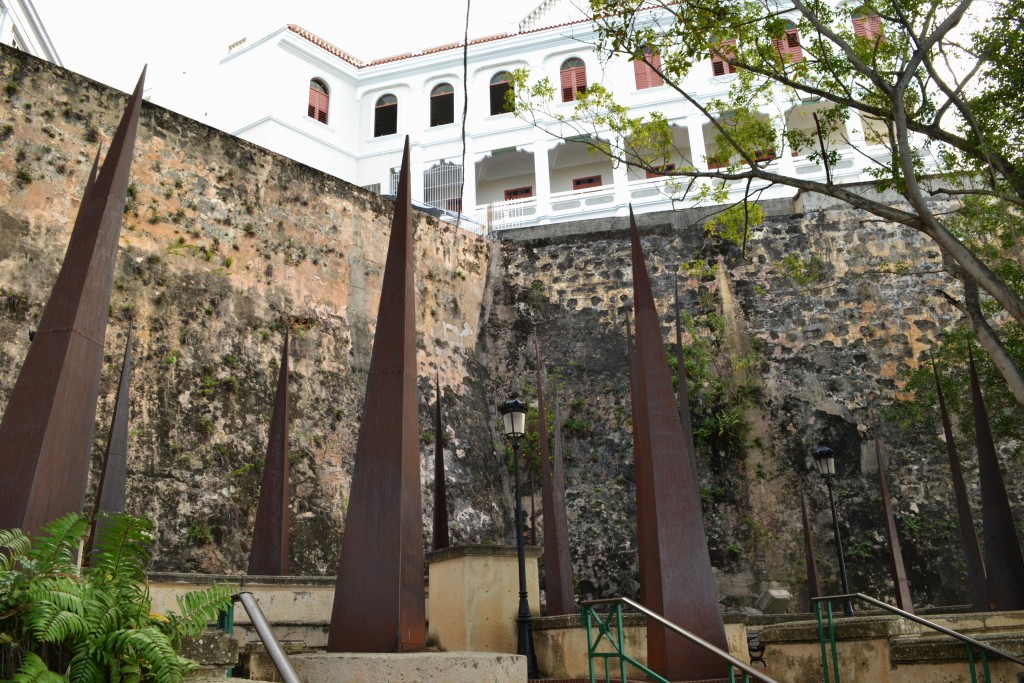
(789, 45)
(644, 70)
(721, 58)
(499, 87)
(318, 100)
(442, 105)
(385, 116)
(574, 78)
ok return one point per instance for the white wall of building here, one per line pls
(21, 27)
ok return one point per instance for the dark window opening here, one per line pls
(584, 183)
(385, 118)
(499, 89)
(442, 105)
(660, 171)
(519, 193)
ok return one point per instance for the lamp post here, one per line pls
(827, 468)
(513, 413)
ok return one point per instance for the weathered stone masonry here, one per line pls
(224, 241)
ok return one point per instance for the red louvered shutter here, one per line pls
(567, 83)
(719, 65)
(580, 75)
(860, 27)
(868, 28)
(640, 72)
(313, 101)
(653, 77)
(793, 45)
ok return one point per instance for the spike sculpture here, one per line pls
(813, 580)
(441, 538)
(977, 584)
(111, 489)
(269, 553)
(47, 429)
(1004, 563)
(557, 564)
(379, 597)
(642, 542)
(896, 566)
(677, 577)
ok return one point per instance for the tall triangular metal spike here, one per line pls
(379, 597)
(110, 492)
(643, 543)
(813, 579)
(47, 429)
(679, 582)
(896, 567)
(557, 563)
(269, 553)
(441, 538)
(1004, 563)
(976, 582)
(90, 182)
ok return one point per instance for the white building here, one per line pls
(21, 27)
(296, 94)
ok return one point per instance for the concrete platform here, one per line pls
(420, 667)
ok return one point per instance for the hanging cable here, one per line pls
(465, 110)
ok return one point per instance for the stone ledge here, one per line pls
(413, 667)
(455, 551)
(846, 628)
(240, 580)
(936, 649)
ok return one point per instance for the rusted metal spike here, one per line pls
(813, 580)
(441, 538)
(1004, 563)
(47, 429)
(379, 597)
(269, 553)
(93, 172)
(557, 564)
(679, 583)
(643, 543)
(110, 492)
(977, 583)
(896, 566)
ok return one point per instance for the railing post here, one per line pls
(622, 641)
(832, 640)
(587, 612)
(821, 642)
(984, 665)
(970, 662)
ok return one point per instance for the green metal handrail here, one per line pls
(968, 642)
(593, 620)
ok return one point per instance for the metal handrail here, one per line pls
(697, 640)
(924, 622)
(262, 626)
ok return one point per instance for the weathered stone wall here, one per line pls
(223, 245)
(811, 358)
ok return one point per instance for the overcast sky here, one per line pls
(182, 41)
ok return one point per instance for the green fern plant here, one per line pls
(91, 624)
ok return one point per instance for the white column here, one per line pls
(698, 150)
(785, 153)
(620, 179)
(855, 134)
(542, 179)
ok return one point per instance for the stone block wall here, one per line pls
(223, 244)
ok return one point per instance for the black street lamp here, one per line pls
(827, 468)
(513, 413)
